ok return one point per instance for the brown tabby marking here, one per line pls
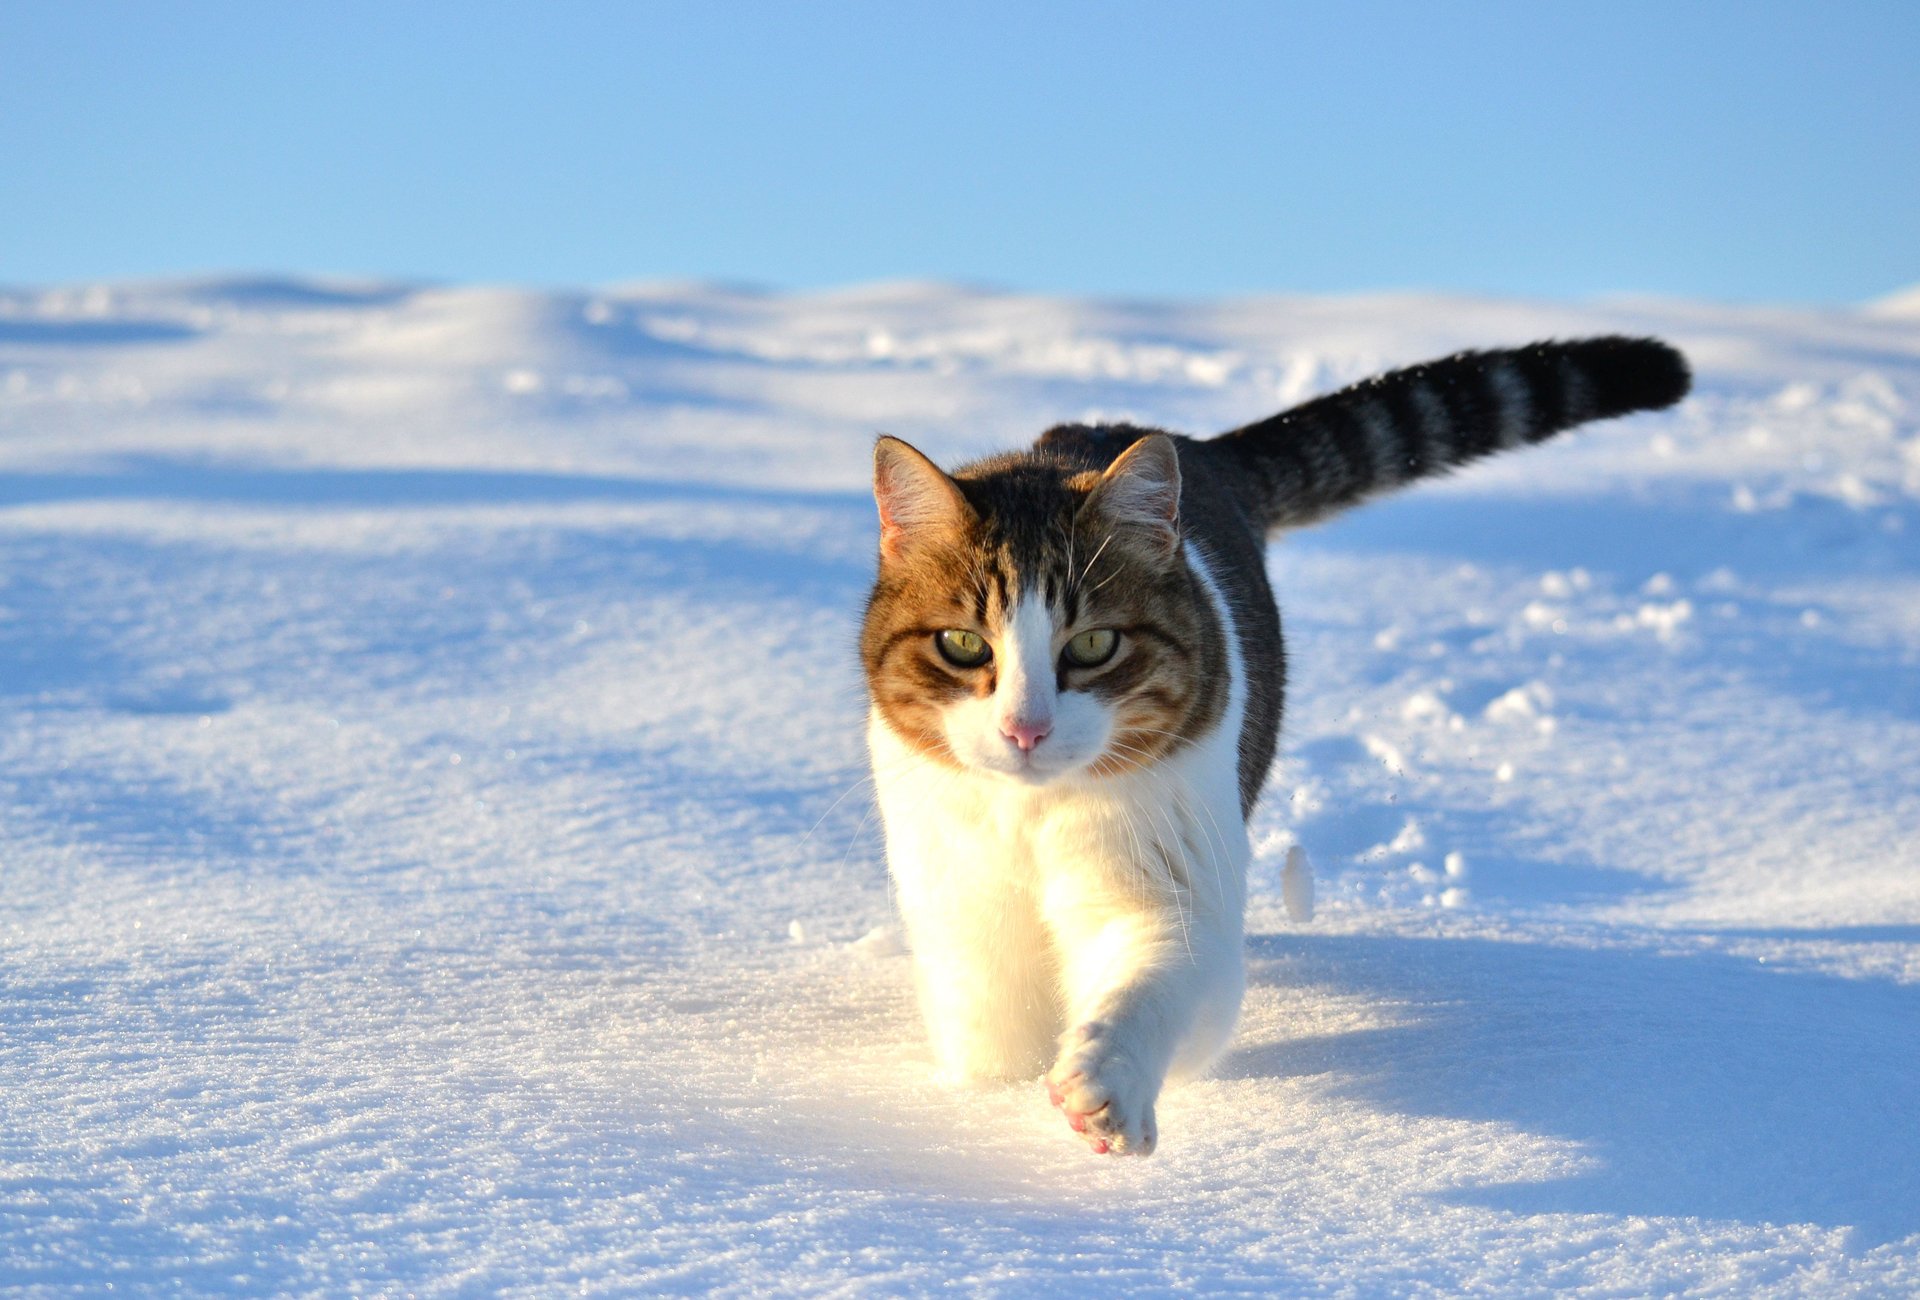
(1024, 525)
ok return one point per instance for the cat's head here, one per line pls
(1037, 620)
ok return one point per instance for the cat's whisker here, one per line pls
(1147, 878)
(854, 842)
(1174, 883)
(899, 768)
(1102, 550)
(870, 778)
(1170, 791)
(1138, 855)
(865, 780)
(1109, 578)
(1219, 834)
(1065, 528)
(880, 770)
(1069, 530)
(1213, 859)
(951, 776)
(914, 765)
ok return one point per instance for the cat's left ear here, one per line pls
(916, 498)
(1142, 489)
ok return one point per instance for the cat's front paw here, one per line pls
(1105, 1094)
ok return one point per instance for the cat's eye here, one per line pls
(962, 649)
(1092, 648)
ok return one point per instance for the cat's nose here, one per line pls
(1025, 733)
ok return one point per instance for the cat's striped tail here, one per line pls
(1329, 453)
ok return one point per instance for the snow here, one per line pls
(1296, 884)
(438, 858)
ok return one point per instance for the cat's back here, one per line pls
(1216, 507)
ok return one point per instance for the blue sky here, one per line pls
(1751, 151)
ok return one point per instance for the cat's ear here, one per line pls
(916, 498)
(1142, 490)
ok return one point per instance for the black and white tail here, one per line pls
(1334, 451)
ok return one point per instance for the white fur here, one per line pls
(1091, 924)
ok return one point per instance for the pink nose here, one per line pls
(1027, 734)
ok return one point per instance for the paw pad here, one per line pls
(1099, 1108)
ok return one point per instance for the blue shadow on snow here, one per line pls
(1703, 1085)
(147, 478)
(93, 333)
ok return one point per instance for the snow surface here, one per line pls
(437, 859)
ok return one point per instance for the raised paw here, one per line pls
(1104, 1094)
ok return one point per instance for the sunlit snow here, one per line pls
(436, 855)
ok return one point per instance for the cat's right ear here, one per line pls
(916, 498)
(1141, 489)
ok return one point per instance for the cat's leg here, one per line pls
(1152, 982)
(986, 981)
(980, 954)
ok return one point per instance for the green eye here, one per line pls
(1091, 649)
(962, 649)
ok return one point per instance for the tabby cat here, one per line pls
(1076, 674)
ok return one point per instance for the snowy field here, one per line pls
(437, 860)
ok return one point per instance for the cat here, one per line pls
(1076, 675)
